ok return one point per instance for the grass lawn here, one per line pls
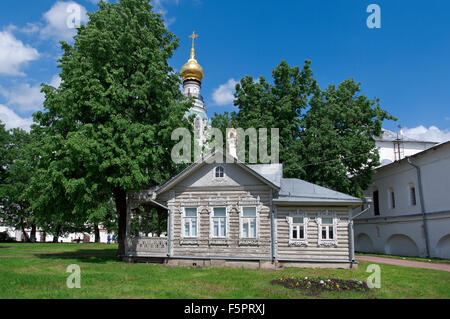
(39, 271)
(433, 260)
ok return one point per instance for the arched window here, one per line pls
(220, 172)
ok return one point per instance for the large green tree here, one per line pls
(17, 169)
(326, 137)
(109, 123)
(337, 148)
(278, 105)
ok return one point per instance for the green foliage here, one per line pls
(337, 138)
(107, 128)
(17, 170)
(326, 137)
(148, 220)
(119, 100)
(222, 121)
(263, 105)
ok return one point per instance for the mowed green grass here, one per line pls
(434, 260)
(40, 272)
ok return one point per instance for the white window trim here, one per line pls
(325, 241)
(241, 223)
(183, 219)
(290, 220)
(227, 222)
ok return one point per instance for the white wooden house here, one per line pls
(222, 212)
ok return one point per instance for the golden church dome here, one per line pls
(192, 70)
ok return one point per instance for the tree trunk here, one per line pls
(56, 236)
(120, 197)
(96, 233)
(25, 235)
(33, 233)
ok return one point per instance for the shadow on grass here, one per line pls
(84, 255)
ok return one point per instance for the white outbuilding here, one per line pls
(410, 214)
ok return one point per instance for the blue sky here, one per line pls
(406, 63)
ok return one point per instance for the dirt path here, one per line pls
(405, 263)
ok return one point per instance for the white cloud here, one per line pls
(56, 81)
(14, 54)
(224, 94)
(12, 120)
(24, 98)
(28, 29)
(159, 6)
(62, 19)
(432, 134)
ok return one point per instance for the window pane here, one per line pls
(249, 211)
(324, 232)
(253, 227)
(298, 220)
(376, 203)
(294, 232)
(216, 227)
(186, 228)
(413, 196)
(219, 171)
(191, 212)
(330, 231)
(223, 227)
(245, 228)
(194, 227)
(392, 199)
(219, 212)
(327, 220)
(302, 232)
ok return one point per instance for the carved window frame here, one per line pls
(249, 201)
(184, 240)
(249, 241)
(241, 222)
(290, 219)
(327, 241)
(183, 220)
(227, 221)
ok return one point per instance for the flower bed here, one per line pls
(315, 286)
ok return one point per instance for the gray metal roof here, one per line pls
(291, 190)
(271, 172)
(297, 190)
